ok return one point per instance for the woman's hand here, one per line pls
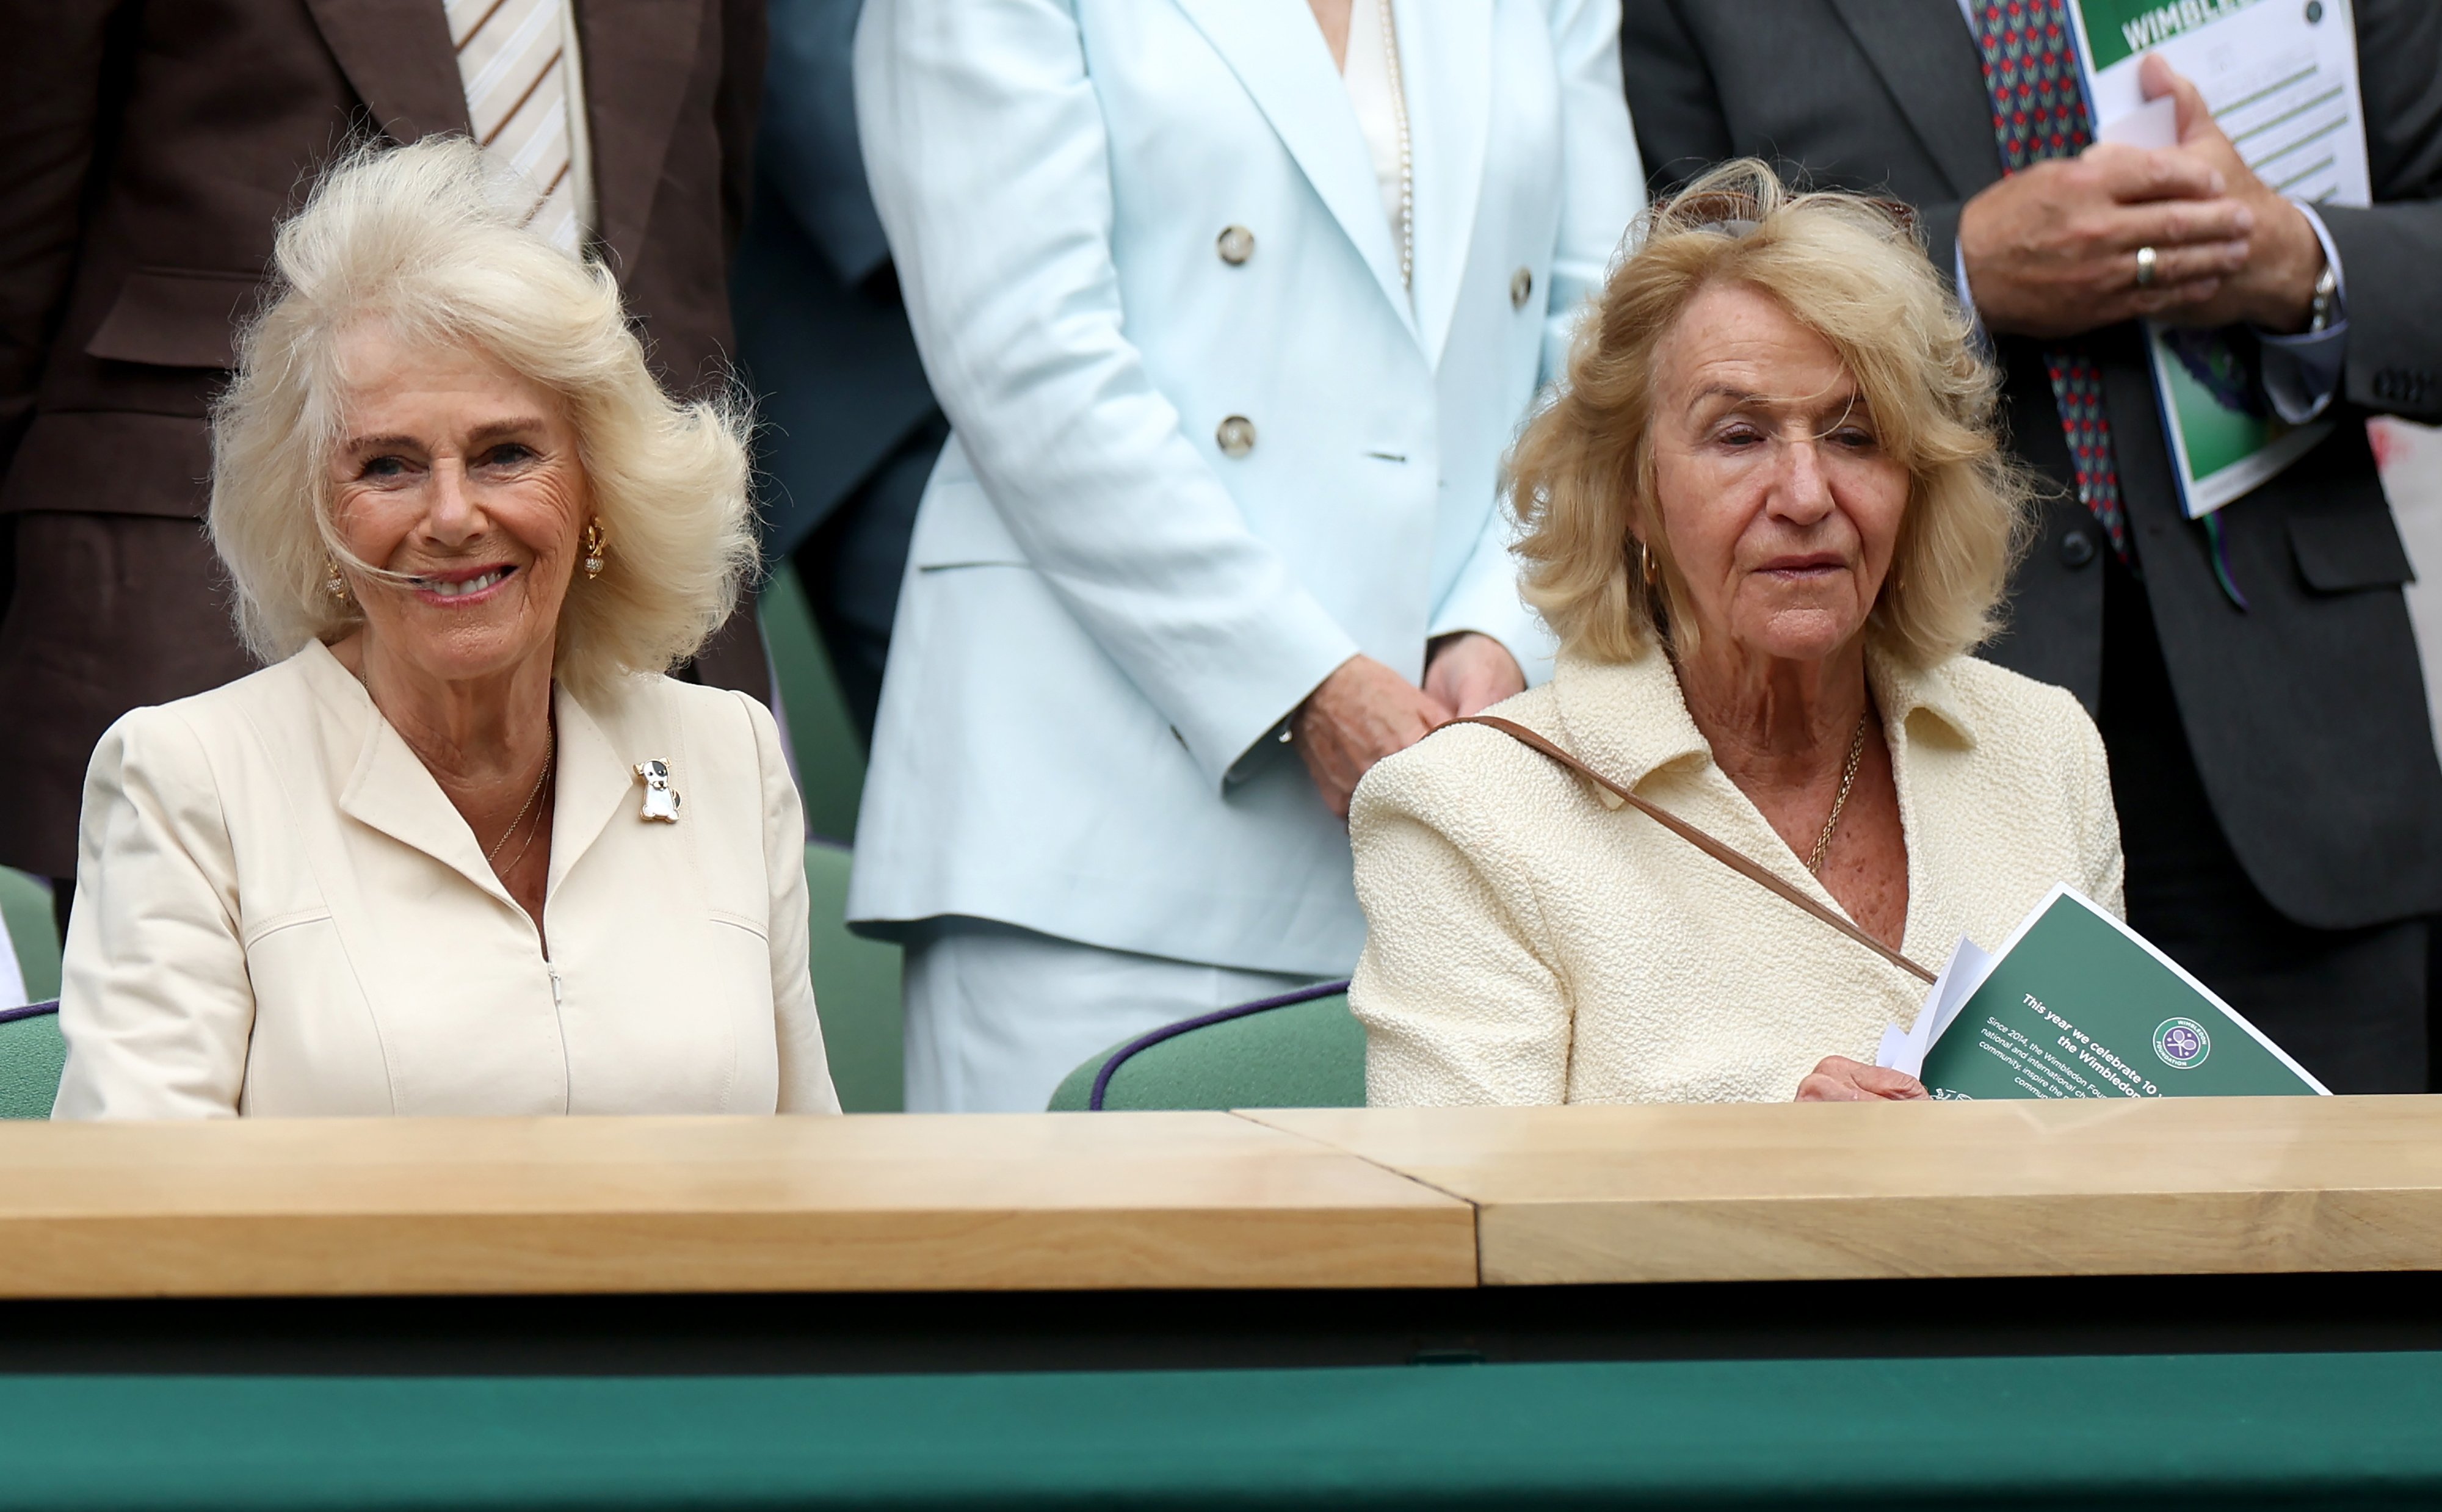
(1839, 1078)
(1361, 713)
(1471, 672)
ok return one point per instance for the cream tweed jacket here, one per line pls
(1534, 941)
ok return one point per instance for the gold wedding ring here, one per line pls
(2148, 262)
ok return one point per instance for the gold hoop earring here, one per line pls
(597, 551)
(1649, 568)
(332, 583)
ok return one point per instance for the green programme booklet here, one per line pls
(2077, 1004)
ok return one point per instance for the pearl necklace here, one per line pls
(1407, 150)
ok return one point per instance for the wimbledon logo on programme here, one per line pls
(2181, 1043)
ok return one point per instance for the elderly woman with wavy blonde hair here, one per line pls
(462, 847)
(1769, 518)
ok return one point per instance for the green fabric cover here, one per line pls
(31, 1053)
(856, 991)
(33, 932)
(2129, 1431)
(1306, 1055)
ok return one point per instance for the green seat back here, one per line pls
(856, 991)
(31, 1053)
(33, 932)
(822, 734)
(1302, 1050)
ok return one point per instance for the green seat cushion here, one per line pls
(32, 1054)
(1305, 1050)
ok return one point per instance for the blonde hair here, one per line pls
(1848, 269)
(431, 241)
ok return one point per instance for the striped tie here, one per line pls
(2039, 112)
(512, 60)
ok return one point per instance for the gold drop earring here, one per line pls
(332, 583)
(598, 549)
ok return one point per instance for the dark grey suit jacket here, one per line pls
(2307, 713)
(820, 326)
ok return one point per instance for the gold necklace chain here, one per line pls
(1847, 781)
(550, 750)
(1406, 152)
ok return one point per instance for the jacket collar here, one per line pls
(639, 58)
(1627, 719)
(1445, 70)
(1946, 105)
(385, 785)
(397, 57)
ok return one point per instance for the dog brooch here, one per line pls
(661, 799)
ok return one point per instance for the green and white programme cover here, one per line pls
(2077, 1004)
(2281, 80)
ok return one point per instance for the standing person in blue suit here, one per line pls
(851, 430)
(1233, 307)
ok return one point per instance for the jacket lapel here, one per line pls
(639, 56)
(1277, 52)
(1626, 719)
(1929, 63)
(1447, 71)
(388, 787)
(596, 780)
(397, 57)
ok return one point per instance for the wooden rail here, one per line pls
(1272, 1198)
(1861, 1190)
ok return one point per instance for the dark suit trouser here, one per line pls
(2348, 1004)
(106, 613)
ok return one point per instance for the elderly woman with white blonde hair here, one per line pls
(462, 847)
(1769, 518)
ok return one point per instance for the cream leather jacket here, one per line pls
(1535, 941)
(278, 913)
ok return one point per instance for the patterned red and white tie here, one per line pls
(513, 61)
(2039, 112)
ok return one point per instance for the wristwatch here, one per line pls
(2327, 298)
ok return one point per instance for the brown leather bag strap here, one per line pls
(1736, 860)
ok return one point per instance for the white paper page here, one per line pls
(2281, 80)
(13, 976)
(1904, 1049)
(2282, 88)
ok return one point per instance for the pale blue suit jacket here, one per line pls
(1106, 616)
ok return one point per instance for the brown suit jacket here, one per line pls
(147, 155)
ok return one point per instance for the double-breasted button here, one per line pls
(1235, 244)
(1521, 283)
(2077, 548)
(1235, 436)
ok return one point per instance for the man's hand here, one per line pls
(1361, 713)
(2275, 287)
(1839, 1078)
(2051, 251)
(1469, 673)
